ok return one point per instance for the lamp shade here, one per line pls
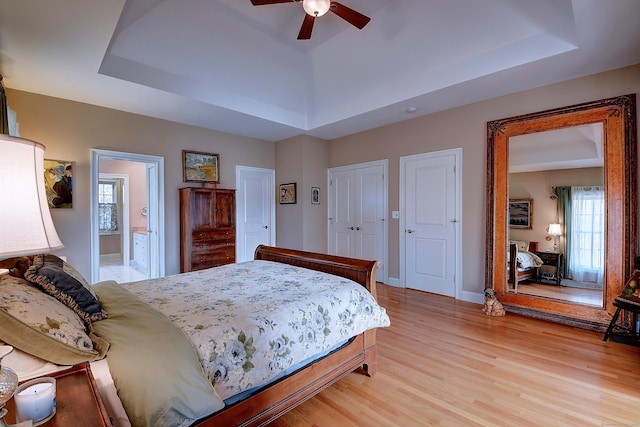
(26, 227)
(555, 230)
(316, 7)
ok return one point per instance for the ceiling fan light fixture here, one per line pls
(316, 8)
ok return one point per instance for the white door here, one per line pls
(357, 213)
(341, 216)
(153, 261)
(430, 225)
(255, 210)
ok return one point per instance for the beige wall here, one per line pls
(303, 160)
(70, 129)
(465, 127)
(538, 186)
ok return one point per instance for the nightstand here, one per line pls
(78, 401)
(551, 259)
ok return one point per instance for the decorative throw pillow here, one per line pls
(523, 246)
(38, 324)
(64, 283)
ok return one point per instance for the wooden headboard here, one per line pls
(358, 270)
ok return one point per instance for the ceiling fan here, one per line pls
(316, 8)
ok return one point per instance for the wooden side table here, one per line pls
(78, 402)
(553, 259)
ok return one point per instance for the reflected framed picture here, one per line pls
(287, 193)
(200, 167)
(315, 195)
(58, 183)
(521, 213)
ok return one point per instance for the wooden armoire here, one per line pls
(207, 228)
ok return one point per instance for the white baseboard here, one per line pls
(394, 281)
(476, 297)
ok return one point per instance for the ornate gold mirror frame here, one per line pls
(618, 117)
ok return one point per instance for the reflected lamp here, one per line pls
(555, 231)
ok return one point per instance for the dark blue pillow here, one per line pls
(64, 283)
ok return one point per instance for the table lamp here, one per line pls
(26, 227)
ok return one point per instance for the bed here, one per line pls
(254, 403)
(523, 263)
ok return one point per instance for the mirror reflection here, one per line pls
(556, 214)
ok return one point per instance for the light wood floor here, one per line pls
(565, 293)
(444, 362)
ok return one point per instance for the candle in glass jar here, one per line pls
(36, 399)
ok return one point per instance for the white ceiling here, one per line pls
(567, 148)
(234, 67)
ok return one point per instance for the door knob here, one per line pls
(266, 227)
(350, 228)
(358, 228)
(410, 231)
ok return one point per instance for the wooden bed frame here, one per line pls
(360, 352)
(516, 276)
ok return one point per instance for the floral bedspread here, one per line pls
(250, 321)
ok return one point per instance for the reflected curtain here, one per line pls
(107, 217)
(564, 219)
(587, 235)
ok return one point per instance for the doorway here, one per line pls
(430, 223)
(255, 210)
(357, 213)
(131, 187)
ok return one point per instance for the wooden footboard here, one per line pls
(514, 275)
(360, 352)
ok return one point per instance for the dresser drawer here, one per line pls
(224, 234)
(213, 245)
(212, 259)
(547, 257)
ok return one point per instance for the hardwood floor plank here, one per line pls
(444, 362)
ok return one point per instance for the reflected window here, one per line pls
(587, 236)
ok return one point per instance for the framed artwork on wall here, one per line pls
(287, 193)
(521, 213)
(315, 195)
(200, 167)
(58, 183)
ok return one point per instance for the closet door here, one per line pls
(342, 218)
(357, 226)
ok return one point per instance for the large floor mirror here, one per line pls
(562, 210)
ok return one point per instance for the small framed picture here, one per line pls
(288, 193)
(315, 195)
(521, 213)
(200, 167)
(58, 183)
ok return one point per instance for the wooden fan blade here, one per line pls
(351, 16)
(307, 27)
(263, 2)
